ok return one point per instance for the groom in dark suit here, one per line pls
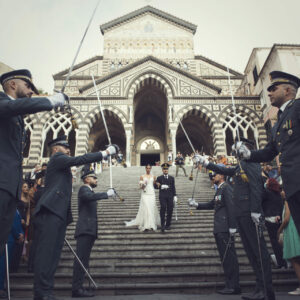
(167, 194)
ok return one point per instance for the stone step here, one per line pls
(127, 261)
(199, 276)
(154, 288)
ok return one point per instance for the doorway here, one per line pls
(149, 159)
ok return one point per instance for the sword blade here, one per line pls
(79, 47)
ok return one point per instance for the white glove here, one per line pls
(241, 150)
(200, 160)
(110, 150)
(232, 231)
(111, 193)
(57, 99)
(192, 202)
(255, 217)
(175, 199)
(164, 187)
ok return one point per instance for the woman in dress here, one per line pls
(147, 217)
(291, 243)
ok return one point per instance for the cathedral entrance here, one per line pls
(151, 159)
(98, 137)
(150, 123)
(198, 131)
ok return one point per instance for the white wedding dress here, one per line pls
(147, 216)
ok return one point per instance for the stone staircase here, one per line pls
(127, 261)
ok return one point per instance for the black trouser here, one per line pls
(8, 205)
(166, 204)
(50, 232)
(230, 264)
(272, 231)
(294, 206)
(83, 250)
(248, 236)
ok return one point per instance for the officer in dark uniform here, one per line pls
(53, 212)
(167, 195)
(247, 198)
(14, 103)
(285, 141)
(224, 230)
(86, 229)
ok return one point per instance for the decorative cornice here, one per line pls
(82, 64)
(224, 68)
(148, 9)
(238, 77)
(154, 59)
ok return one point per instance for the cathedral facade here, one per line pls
(149, 81)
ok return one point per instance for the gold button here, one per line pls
(278, 133)
(279, 153)
(280, 164)
(279, 143)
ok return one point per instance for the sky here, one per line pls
(43, 35)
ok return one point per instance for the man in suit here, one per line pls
(247, 198)
(167, 195)
(224, 230)
(86, 229)
(14, 103)
(53, 212)
(285, 141)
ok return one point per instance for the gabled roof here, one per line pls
(276, 46)
(218, 65)
(154, 59)
(148, 9)
(82, 64)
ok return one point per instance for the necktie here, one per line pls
(166, 176)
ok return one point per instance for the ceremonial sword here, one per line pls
(7, 272)
(68, 106)
(108, 137)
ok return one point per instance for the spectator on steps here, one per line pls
(179, 162)
(291, 243)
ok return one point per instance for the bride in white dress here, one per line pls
(147, 217)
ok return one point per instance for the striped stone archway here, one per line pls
(204, 113)
(141, 79)
(91, 118)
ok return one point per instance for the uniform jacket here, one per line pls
(58, 183)
(12, 137)
(247, 196)
(222, 203)
(171, 191)
(87, 211)
(285, 142)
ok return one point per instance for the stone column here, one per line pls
(128, 141)
(173, 138)
(218, 139)
(36, 142)
(82, 137)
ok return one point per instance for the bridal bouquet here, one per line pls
(143, 184)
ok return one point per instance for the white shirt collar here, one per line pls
(12, 98)
(89, 186)
(284, 105)
(221, 184)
